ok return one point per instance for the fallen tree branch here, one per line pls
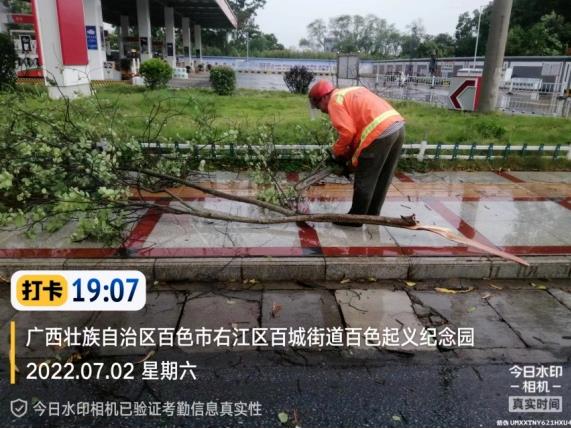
(453, 236)
(288, 216)
(220, 194)
(405, 222)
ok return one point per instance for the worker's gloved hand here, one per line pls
(332, 159)
(340, 166)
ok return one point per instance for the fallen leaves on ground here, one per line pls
(74, 357)
(296, 421)
(495, 287)
(538, 286)
(453, 291)
(410, 284)
(345, 281)
(486, 295)
(283, 417)
(147, 357)
(276, 308)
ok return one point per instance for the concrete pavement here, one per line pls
(515, 320)
(515, 324)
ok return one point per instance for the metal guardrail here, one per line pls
(534, 96)
(421, 151)
(405, 80)
(518, 95)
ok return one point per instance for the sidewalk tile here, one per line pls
(177, 231)
(161, 311)
(237, 310)
(471, 311)
(382, 309)
(543, 176)
(562, 296)
(307, 309)
(482, 177)
(538, 318)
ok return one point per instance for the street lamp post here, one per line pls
(247, 46)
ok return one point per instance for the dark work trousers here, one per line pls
(373, 176)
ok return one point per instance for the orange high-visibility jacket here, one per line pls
(360, 117)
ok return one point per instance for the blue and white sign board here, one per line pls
(91, 33)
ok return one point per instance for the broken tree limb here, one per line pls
(453, 236)
(405, 222)
(288, 216)
(220, 194)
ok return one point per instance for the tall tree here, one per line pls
(413, 40)
(317, 32)
(441, 46)
(543, 38)
(246, 11)
(538, 27)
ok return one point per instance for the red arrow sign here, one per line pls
(454, 96)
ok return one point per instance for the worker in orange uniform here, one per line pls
(371, 135)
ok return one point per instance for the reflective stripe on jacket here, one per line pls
(360, 117)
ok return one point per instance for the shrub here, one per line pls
(157, 73)
(8, 60)
(298, 79)
(491, 129)
(223, 80)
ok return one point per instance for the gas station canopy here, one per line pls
(206, 13)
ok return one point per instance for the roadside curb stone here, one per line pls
(311, 268)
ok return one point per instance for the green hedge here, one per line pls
(223, 80)
(157, 73)
(8, 60)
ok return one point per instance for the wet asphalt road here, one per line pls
(324, 390)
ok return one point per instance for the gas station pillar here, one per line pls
(186, 41)
(198, 41)
(144, 25)
(95, 39)
(123, 36)
(60, 27)
(170, 37)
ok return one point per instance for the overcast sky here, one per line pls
(288, 19)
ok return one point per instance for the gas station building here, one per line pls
(70, 36)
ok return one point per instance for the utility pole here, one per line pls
(478, 36)
(495, 51)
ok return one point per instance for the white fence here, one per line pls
(421, 151)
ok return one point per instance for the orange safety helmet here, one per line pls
(320, 90)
